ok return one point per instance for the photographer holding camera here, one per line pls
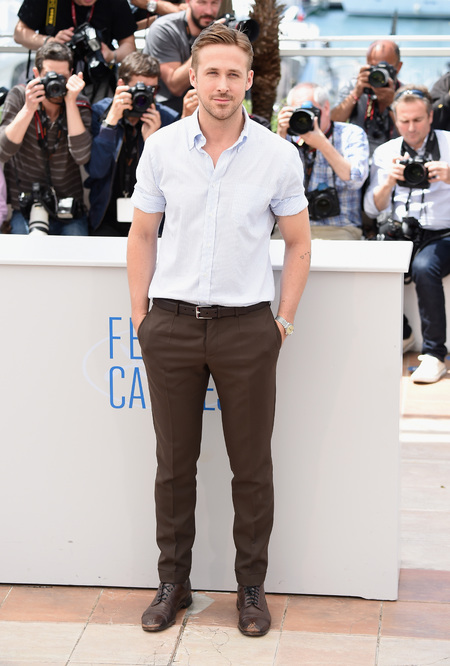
(410, 186)
(44, 138)
(169, 40)
(366, 100)
(120, 127)
(89, 27)
(335, 161)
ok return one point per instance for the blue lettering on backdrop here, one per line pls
(111, 387)
(118, 374)
(111, 336)
(132, 339)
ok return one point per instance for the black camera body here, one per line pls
(323, 202)
(141, 98)
(409, 228)
(415, 174)
(54, 85)
(248, 26)
(87, 46)
(380, 74)
(302, 119)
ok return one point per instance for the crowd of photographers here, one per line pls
(373, 165)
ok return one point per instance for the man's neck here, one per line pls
(220, 134)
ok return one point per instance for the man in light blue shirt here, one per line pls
(335, 159)
(221, 179)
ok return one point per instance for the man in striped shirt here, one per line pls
(43, 141)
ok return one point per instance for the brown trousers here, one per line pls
(180, 353)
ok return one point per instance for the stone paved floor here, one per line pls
(92, 626)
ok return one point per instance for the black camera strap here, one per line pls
(50, 21)
(432, 152)
(41, 126)
(309, 157)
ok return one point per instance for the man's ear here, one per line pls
(192, 78)
(249, 80)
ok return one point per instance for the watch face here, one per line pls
(289, 329)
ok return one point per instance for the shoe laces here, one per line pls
(251, 593)
(164, 591)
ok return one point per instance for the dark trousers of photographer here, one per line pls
(430, 265)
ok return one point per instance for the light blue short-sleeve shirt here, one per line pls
(214, 248)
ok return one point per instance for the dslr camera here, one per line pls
(409, 228)
(380, 74)
(302, 119)
(54, 85)
(86, 46)
(41, 204)
(415, 173)
(248, 26)
(323, 202)
(142, 97)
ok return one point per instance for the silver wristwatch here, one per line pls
(152, 6)
(288, 327)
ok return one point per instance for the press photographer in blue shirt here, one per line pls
(120, 127)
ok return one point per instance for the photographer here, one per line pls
(366, 100)
(44, 138)
(120, 126)
(410, 186)
(169, 40)
(335, 161)
(90, 27)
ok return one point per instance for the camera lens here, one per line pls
(323, 205)
(414, 173)
(378, 78)
(141, 102)
(301, 121)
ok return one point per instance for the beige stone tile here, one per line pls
(224, 646)
(417, 651)
(426, 474)
(416, 498)
(33, 663)
(30, 642)
(120, 644)
(325, 650)
(430, 525)
(420, 554)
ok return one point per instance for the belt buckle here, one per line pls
(198, 314)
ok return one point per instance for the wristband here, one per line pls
(356, 99)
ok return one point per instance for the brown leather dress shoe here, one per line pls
(169, 599)
(254, 616)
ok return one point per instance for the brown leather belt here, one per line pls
(206, 311)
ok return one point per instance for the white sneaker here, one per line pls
(408, 343)
(430, 370)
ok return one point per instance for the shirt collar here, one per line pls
(197, 140)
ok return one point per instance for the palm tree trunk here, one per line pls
(267, 61)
